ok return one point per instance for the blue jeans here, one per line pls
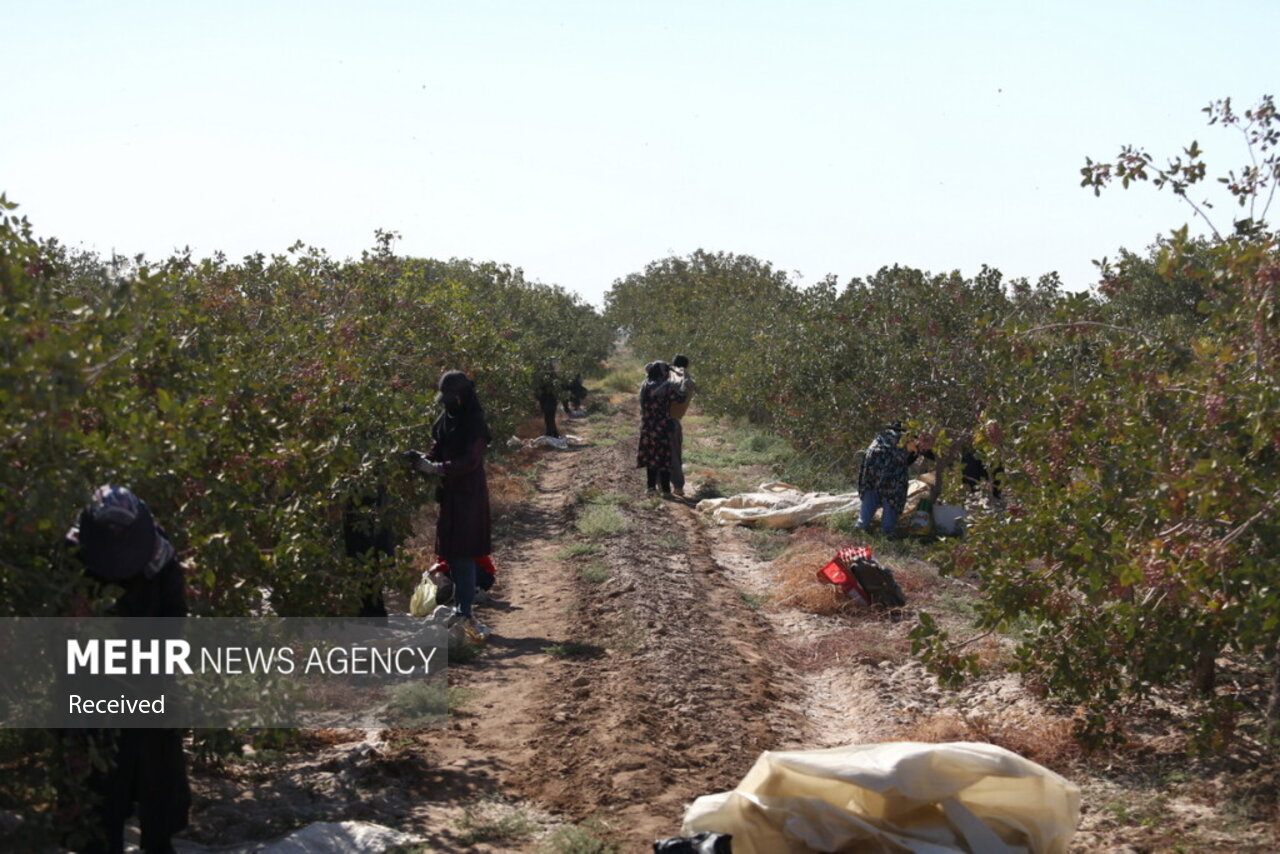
(870, 503)
(463, 572)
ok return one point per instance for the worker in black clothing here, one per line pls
(547, 391)
(120, 544)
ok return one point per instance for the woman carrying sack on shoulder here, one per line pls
(654, 454)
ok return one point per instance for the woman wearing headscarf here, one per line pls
(654, 454)
(547, 391)
(459, 438)
(120, 545)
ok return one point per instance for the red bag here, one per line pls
(484, 563)
(840, 576)
(848, 555)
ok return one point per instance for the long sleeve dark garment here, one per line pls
(884, 469)
(150, 768)
(464, 528)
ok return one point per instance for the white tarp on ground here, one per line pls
(781, 505)
(893, 797)
(323, 837)
(558, 442)
(777, 505)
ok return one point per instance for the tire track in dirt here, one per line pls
(678, 703)
(676, 696)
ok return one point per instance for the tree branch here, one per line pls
(955, 646)
(1088, 323)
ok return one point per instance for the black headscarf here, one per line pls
(463, 417)
(118, 538)
(656, 373)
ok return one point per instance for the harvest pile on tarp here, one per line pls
(899, 796)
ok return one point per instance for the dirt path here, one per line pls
(627, 675)
(634, 666)
(659, 684)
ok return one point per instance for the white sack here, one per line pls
(947, 518)
(893, 797)
(340, 837)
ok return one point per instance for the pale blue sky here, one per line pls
(581, 140)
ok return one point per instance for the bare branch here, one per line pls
(962, 644)
(1248, 523)
(1087, 323)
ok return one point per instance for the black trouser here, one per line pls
(676, 432)
(548, 405)
(149, 779)
(376, 545)
(656, 476)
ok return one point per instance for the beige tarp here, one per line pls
(894, 797)
(781, 505)
(777, 505)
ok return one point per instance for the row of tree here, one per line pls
(250, 404)
(1138, 427)
(253, 403)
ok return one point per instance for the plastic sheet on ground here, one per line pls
(560, 443)
(777, 505)
(899, 796)
(324, 837)
(781, 505)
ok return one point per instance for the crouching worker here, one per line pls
(974, 471)
(119, 544)
(459, 439)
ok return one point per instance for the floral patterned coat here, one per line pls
(655, 419)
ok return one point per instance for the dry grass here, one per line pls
(798, 587)
(1046, 739)
(795, 571)
(915, 578)
(865, 643)
(810, 549)
(509, 487)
